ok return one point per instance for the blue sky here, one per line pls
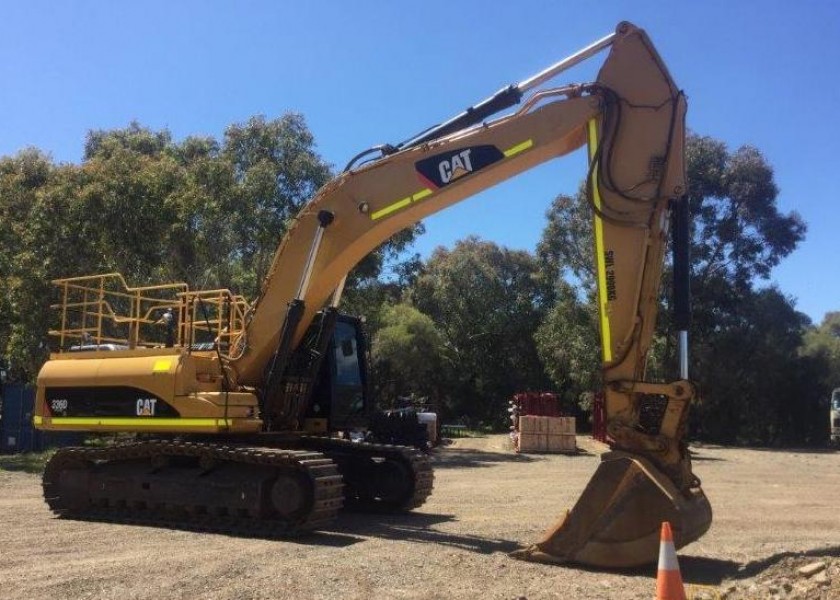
(760, 73)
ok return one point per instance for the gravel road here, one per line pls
(770, 507)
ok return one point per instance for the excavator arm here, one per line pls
(642, 171)
(632, 120)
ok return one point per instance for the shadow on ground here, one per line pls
(700, 457)
(469, 458)
(465, 457)
(699, 446)
(799, 450)
(418, 527)
(712, 571)
(335, 539)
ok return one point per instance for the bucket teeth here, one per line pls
(616, 521)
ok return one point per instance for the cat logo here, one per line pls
(456, 166)
(146, 407)
(448, 167)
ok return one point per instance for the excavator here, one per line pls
(245, 416)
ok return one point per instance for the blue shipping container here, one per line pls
(17, 434)
(16, 431)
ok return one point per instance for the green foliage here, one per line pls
(487, 302)
(207, 212)
(755, 388)
(28, 462)
(565, 248)
(407, 353)
(739, 233)
(822, 344)
(275, 171)
(567, 341)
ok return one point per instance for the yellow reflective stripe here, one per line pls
(606, 341)
(37, 420)
(389, 209)
(161, 366)
(424, 193)
(140, 422)
(383, 212)
(518, 148)
(421, 194)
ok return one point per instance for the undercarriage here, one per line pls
(252, 486)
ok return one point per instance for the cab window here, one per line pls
(346, 356)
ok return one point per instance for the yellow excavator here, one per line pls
(246, 412)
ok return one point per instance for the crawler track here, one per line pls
(270, 487)
(379, 477)
(259, 491)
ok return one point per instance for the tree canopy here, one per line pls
(408, 354)
(470, 325)
(204, 211)
(822, 343)
(487, 302)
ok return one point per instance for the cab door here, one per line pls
(349, 376)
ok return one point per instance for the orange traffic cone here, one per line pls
(669, 585)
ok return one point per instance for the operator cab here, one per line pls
(341, 394)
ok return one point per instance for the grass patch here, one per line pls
(28, 462)
(455, 432)
(475, 433)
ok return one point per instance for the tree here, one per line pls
(565, 249)
(567, 341)
(744, 340)
(205, 212)
(739, 232)
(487, 302)
(407, 353)
(21, 179)
(755, 387)
(275, 171)
(822, 343)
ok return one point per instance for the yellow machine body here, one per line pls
(147, 391)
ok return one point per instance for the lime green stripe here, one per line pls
(606, 341)
(421, 194)
(518, 148)
(384, 212)
(425, 193)
(133, 422)
(389, 209)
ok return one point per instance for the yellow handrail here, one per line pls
(104, 309)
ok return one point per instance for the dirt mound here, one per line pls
(794, 578)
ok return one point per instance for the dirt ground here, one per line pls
(775, 511)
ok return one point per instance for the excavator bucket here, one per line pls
(616, 522)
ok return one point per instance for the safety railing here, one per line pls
(211, 317)
(104, 312)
